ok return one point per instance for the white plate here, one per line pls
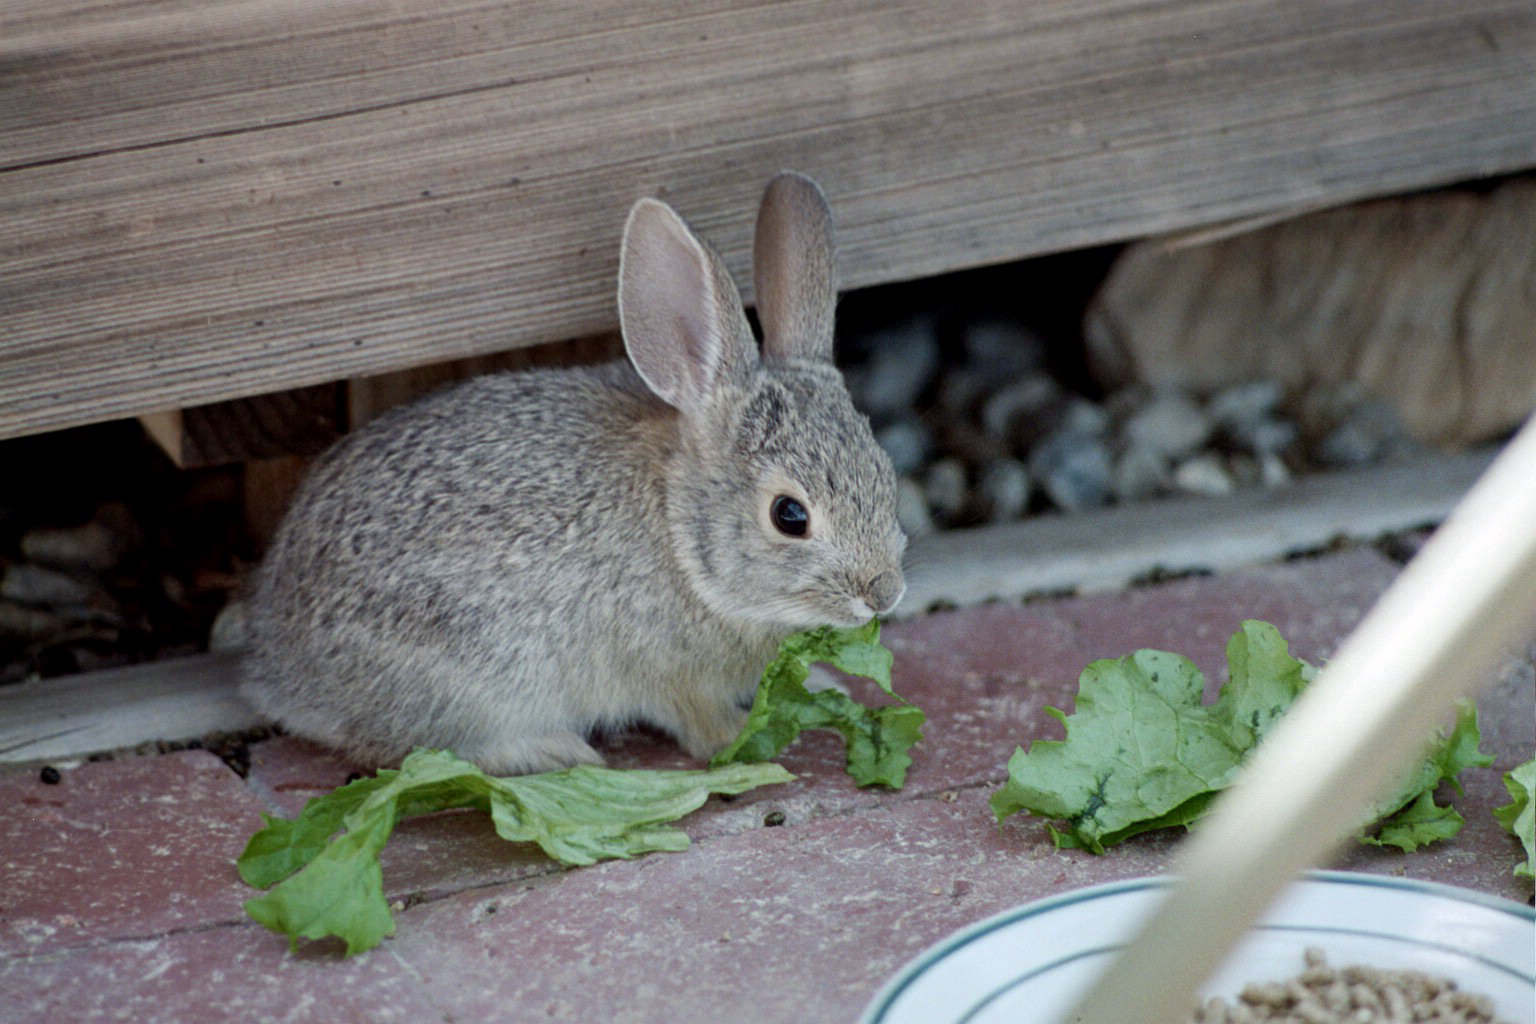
(1030, 965)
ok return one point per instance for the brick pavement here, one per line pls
(119, 899)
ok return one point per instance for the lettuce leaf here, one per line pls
(877, 740)
(1519, 815)
(323, 884)
(1142, 752)
(1409, 817)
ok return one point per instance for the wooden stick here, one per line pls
(1435, 636)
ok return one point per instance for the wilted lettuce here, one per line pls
(1142, 752)
(1519, 815)
(877, 739)
(322, 869)
(323, 884)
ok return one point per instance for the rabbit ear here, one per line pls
(683, 323)
(792, 269)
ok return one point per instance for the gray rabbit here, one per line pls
(504, 567)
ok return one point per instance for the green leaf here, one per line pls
(339, 892)
(587, 814)
(1264, 681)
(877, 740)
(1141, 752)
(284, 846)
(324, 884)
(1408, 816)
(1519, 815)
(1418, 824)
(1459, 750)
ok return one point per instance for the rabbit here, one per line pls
(528, 558)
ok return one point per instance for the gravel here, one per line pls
(899, 364)
(985, 427)
(1171, 424)
(1204, 474)
(92, 547)
(912, 509)
(1003, 490)
(1140, 473)
(39, 585)
(907, 441)
(946, 489)
(1010, 407)
(1073, 469)
(117, 558)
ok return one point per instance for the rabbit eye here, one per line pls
(789, 516)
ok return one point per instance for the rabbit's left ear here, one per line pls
(683, 323)
(792, 270)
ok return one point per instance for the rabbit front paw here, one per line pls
(544, 753)
(703, 727)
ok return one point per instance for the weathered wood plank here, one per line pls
(298, 421)
(199, 202)
(177, 699)
(1101, 550)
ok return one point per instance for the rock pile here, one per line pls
(115, 560)
(983, 429)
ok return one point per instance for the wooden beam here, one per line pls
(1101, 550)
(301, 421)
(200, 201)
(268, 486)
(177, 699)
(164, 428)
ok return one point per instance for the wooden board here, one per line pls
(1095, 551)
(179, 699)
(299, 421)
(201, 200)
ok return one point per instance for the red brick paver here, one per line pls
(801, 922)
(121, 850)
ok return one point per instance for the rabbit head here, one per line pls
(780, 504)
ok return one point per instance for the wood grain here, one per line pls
(175, 699)
(298, 421)
(367, 397)
(200, 201)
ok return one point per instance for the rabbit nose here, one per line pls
(882, 592)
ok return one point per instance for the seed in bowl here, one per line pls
(1321, 994)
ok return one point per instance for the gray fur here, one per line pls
(508, 565)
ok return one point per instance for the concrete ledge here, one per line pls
(189, 697)
(1113, 548)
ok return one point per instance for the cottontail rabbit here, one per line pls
(508, 565)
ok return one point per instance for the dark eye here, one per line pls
(789, 516)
